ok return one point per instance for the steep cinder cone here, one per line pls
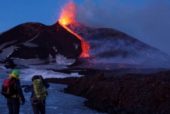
(36, 40)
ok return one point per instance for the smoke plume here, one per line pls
(147, 20)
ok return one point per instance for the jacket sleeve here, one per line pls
(46, 83)
(20, 92)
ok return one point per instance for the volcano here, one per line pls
(35, 40)
(107, 46)
(69, 39)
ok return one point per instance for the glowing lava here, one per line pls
(68, 17)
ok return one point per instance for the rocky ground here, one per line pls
(123, 93)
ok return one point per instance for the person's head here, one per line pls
(15, 73)
(37, 77)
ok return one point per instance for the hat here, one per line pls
(15, 73)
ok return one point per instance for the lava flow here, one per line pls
(68, 17)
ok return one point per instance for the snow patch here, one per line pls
(26, 74)
(62, 60)
(28, 44)
(26, 62)
(7, 52)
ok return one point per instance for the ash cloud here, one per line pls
(147, 20)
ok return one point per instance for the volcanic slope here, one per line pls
(107, 46)
(110, 46)
(35, 40)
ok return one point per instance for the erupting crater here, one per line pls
(68, 17)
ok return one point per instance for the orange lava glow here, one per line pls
(68, 17)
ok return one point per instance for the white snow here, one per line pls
(27, 61)
(59, 62)
(29, 44)
(57, 101)
(62, 60)
(6, 52)
(26, 74)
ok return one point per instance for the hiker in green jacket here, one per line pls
(39, 94)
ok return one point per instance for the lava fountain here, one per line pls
(68, 17)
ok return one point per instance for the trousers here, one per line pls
(13, 105)
(39, 107)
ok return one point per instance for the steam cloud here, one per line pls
(147, 20)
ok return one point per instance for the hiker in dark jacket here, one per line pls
(17, 97)
(39, 93)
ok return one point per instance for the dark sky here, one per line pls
(147, 20)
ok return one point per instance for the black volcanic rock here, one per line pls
(35, 40)
(132, 93)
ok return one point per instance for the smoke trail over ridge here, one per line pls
(147, 20)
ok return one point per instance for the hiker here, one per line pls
(39, 93)
(12, 91)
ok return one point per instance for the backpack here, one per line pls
(9, 87)
(39, 89)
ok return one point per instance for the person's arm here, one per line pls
(20, 92)
(45, 83)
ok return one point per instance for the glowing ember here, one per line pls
(68, 17)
